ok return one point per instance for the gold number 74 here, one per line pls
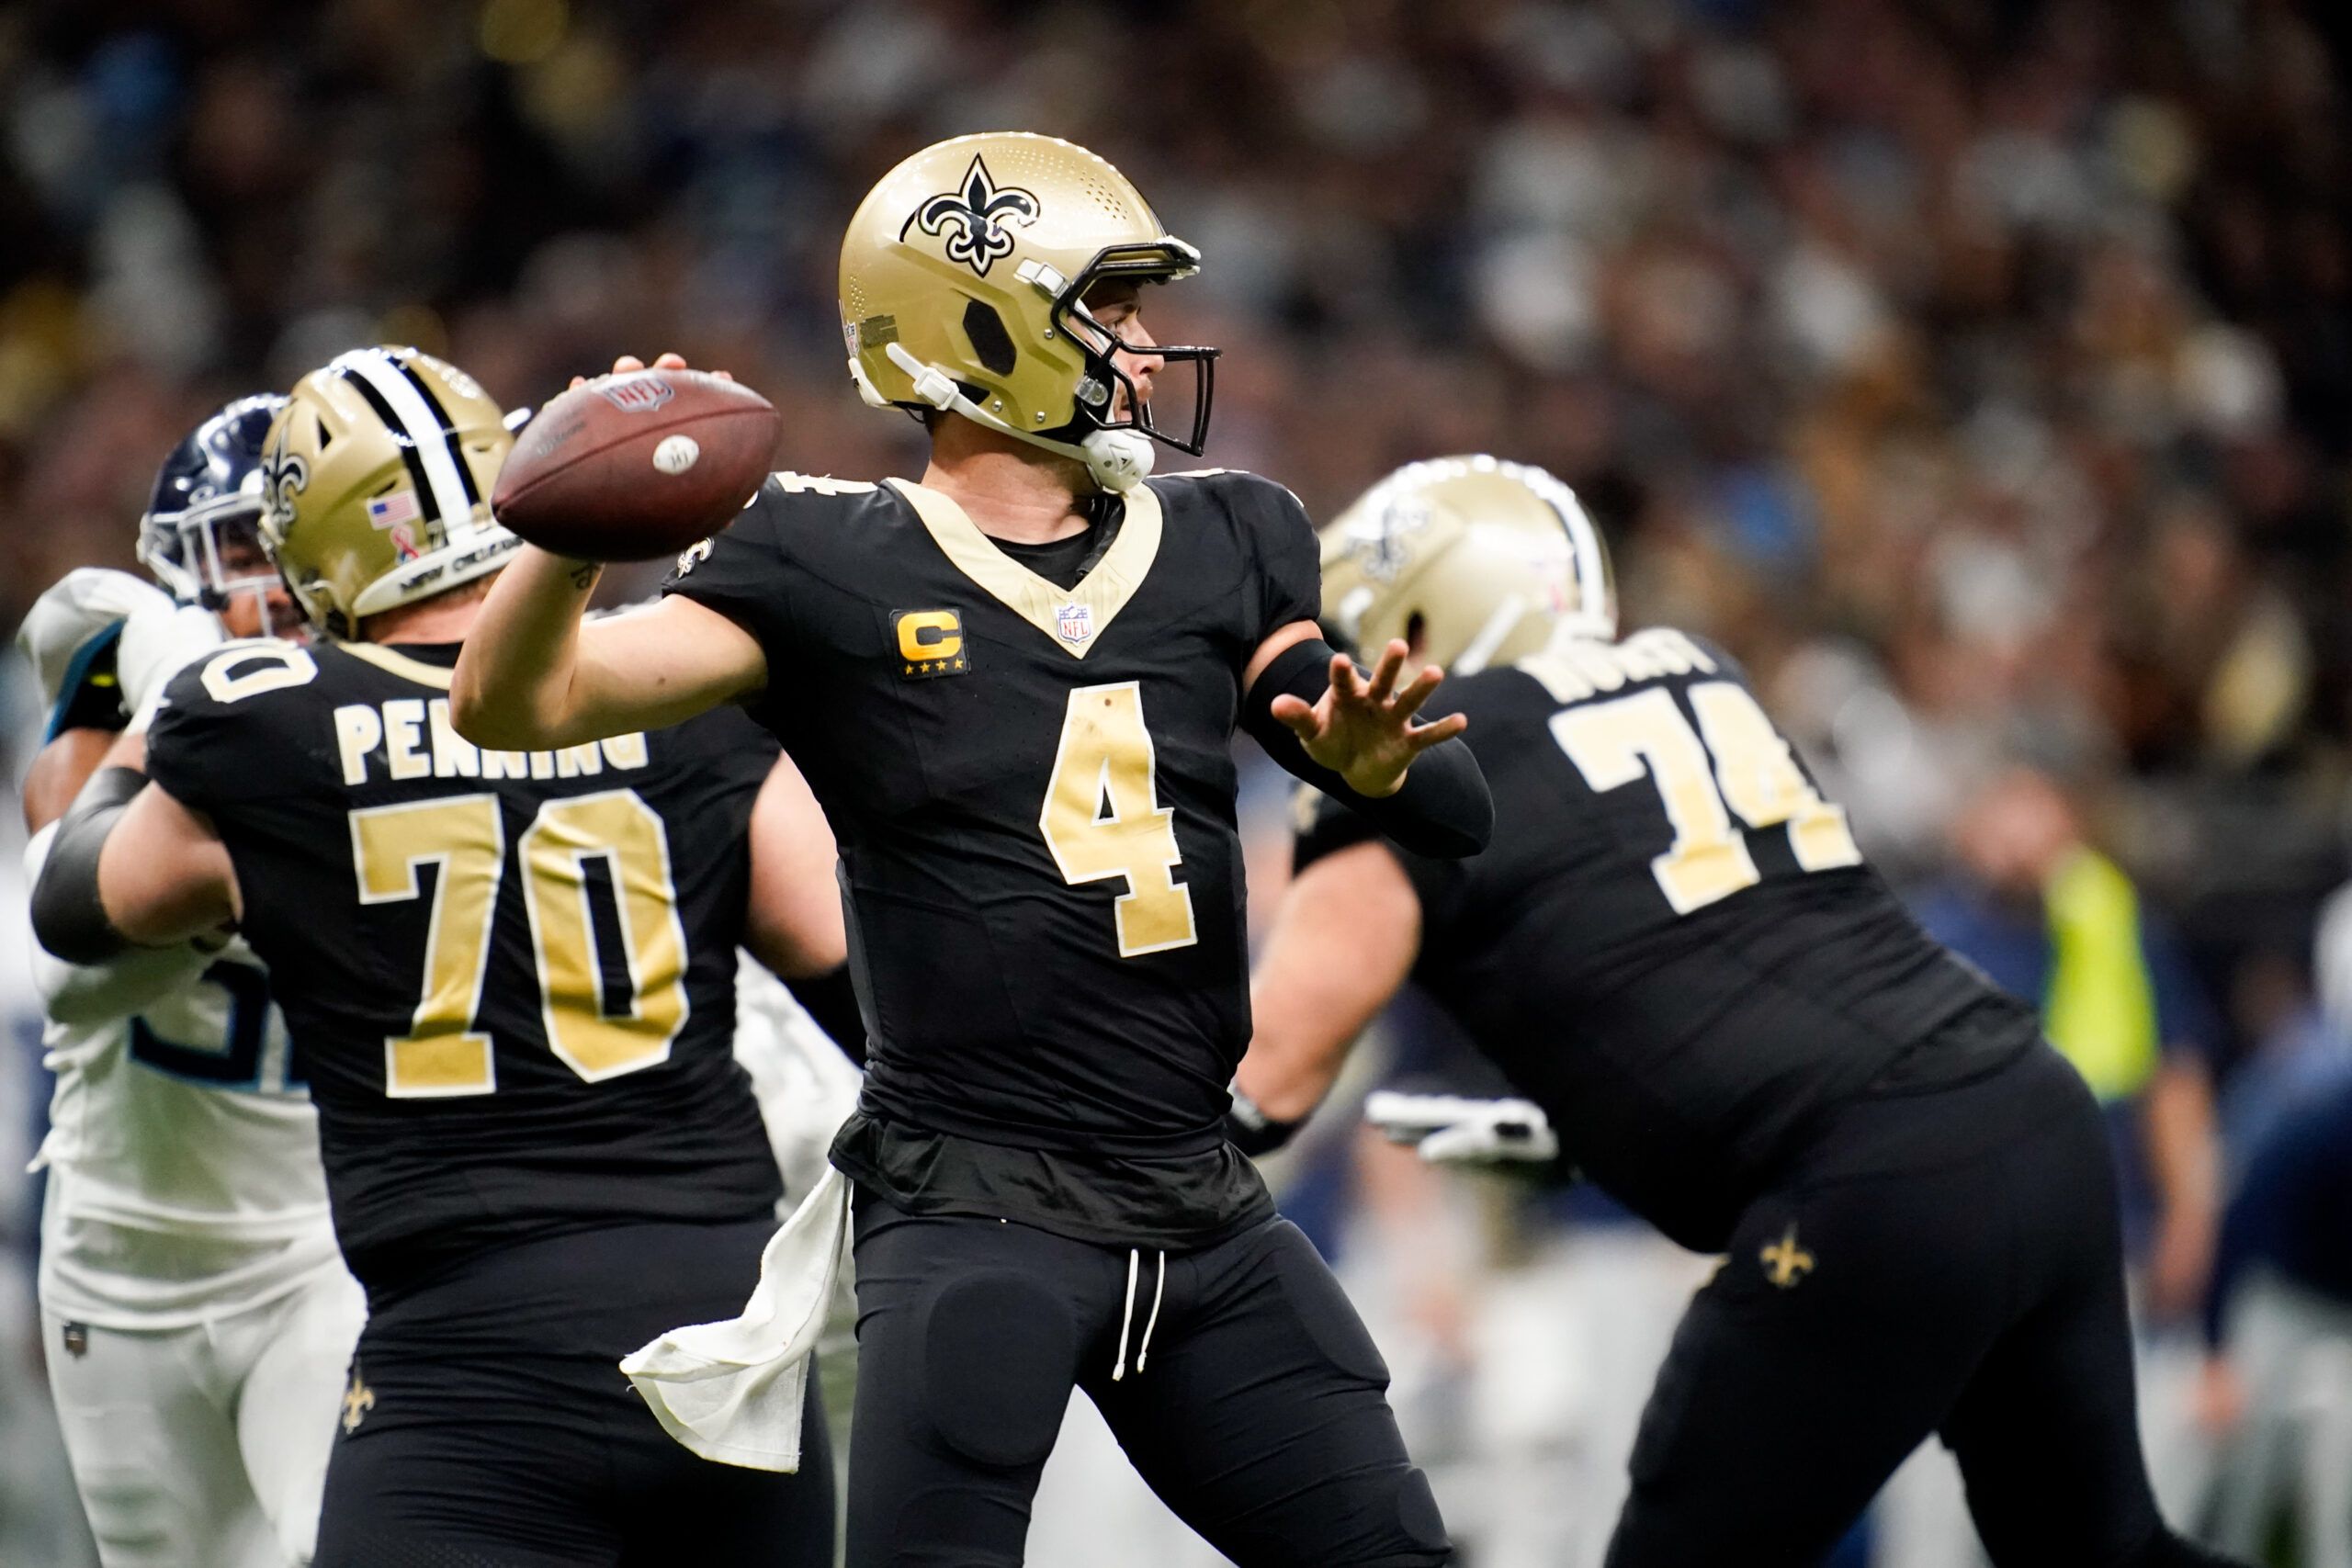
(443, 1054)
(1741, 763)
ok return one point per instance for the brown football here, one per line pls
(638, 465)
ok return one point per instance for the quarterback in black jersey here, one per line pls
(1675, 950)
(511, 978)
(1014, 686)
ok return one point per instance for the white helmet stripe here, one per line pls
(1592, 577)
(420, 427)
(1584, 541)
(1501, 625)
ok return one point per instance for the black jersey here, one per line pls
(1672, 943)
(1033, 790)
(510, 975)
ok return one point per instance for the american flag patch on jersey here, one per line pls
(391, 511)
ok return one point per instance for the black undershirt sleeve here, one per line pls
(1443, 810)
(832, 1001)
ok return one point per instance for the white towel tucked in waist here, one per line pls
(731, 1391)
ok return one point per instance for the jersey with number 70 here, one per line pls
(510, 975)
(1033, 789)
(1673, 944)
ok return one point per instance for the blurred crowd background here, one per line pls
(1980, 372)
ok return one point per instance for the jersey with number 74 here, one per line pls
(1673, 944)
(1033, 789)
(511, 974)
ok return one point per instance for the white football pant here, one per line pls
(207, 1447)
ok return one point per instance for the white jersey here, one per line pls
(182, 1152)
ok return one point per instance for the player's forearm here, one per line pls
(1342, 944)
(131, 867)
(86, 994)
(1287, 1079)
(794, 923)
(515, 684)
(533, 676)
(59, 772)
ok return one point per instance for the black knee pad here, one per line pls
(999, 1355)
(1330, 1318)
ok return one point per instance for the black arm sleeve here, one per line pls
(1444, 808)
(831, 1000)
(68, 915)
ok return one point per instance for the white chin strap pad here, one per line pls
(1118, 459)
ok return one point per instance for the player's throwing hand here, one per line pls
(631, 361)
(1364, 730)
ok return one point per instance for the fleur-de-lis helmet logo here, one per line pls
(283, 475)
(1383, 545)
(974, 217)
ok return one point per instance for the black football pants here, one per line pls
(493, 1428)
(1256, 1405)
(1946, 1262)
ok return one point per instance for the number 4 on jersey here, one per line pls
(1102, 818)
(1614, 743)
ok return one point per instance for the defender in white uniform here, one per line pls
(198, 1317)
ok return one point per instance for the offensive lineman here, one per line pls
(1675, 950)
(511, 976)
(1014, 686)
(197, 1316)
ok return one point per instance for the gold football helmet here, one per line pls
(963, 288)
(1484, 560)
(376, 483)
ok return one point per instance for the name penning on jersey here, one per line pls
(412, 737)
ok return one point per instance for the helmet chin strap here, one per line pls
(1118, 459)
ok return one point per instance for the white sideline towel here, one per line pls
(731, 1391)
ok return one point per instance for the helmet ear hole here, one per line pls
(990, 342)
(1416, 628)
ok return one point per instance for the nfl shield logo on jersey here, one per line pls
(1075, 622)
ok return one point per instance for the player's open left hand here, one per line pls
(628, 362)
(1364, 730)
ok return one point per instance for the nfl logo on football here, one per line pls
(638, 394)
(1075, 621)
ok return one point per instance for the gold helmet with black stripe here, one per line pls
(964, 283)
(1475, 560)
(376, 485)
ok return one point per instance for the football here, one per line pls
(638, 465)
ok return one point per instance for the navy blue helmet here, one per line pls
(201, 533)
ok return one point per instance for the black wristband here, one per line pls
(1443, 809)
(831, 1000)
(68, 917)
(1254, 1132)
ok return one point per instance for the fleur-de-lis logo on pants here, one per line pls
(357, 1400)
(974, 217)
(1786, 1263)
